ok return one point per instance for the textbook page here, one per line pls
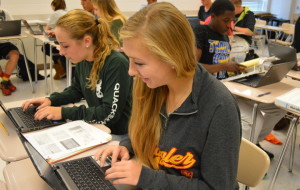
(63, 141)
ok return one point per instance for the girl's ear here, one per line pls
(87, 40)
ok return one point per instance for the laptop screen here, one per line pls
(10, 28)
(43, 168)
(284, 53)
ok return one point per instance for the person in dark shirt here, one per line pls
(213, 48)
(244, 21)
(204, 10)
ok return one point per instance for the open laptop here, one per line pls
(33, 32)
(274, 74)
(10, 28)
(82, 173)
(194, 21)
(284, 53)
(24, 121)
(50, 38)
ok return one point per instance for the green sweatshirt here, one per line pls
(110, 104)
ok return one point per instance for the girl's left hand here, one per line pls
(48, 112)
(124, 172)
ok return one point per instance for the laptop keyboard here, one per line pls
(87, 175)
(28, 118)
(251, 80)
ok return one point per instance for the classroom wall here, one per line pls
(41, 7)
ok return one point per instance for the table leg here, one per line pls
(292, 153)
(253, 125)
(35, 59)
(288, 136)
(45, 68)
(51, 75)
(26, 64)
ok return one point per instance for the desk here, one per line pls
(16, 180)
(276, 90)
(2, 185)
(19, 38)
(45, 41)
(292, 132)
(294, 74)
(11, 148)
(275, 29)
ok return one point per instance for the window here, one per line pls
(254, 5)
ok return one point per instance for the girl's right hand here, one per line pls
(116, 152)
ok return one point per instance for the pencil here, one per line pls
(4, 128)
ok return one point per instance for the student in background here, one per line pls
(204, 10)
(244, 21)
(148, 3)
(213, 48)
(87, 5)
(109, 11)
(183, 120)
(100, 77)
(59, 8)
(11, 53)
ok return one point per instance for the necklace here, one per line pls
(178, 102)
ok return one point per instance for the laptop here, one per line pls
(24, 121)
(274, 74)
(50, 38)
(284, 53)
(33, 32)
(10, 28)
(194, 21)
(82, 173)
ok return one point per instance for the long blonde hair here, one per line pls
(110, 10)
(167, 34)
(79, 23)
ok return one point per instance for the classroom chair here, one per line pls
(253, 164)
(287, 36)
(259, 39)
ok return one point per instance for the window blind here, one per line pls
(254, 5)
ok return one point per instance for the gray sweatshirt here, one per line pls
(200, 141)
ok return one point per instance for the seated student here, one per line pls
(87, 5)
(204, 10)
(213, 52)
(100, 77)
(109, 11)
(148, 3)
(213, 48)
(244, 21)
(59, 8)
(10, 52)
(184, 129)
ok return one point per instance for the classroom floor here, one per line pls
(285, 180)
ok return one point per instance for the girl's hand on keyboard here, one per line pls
(49, 112)
(115, 151)
(124, 172)
(40, 102)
